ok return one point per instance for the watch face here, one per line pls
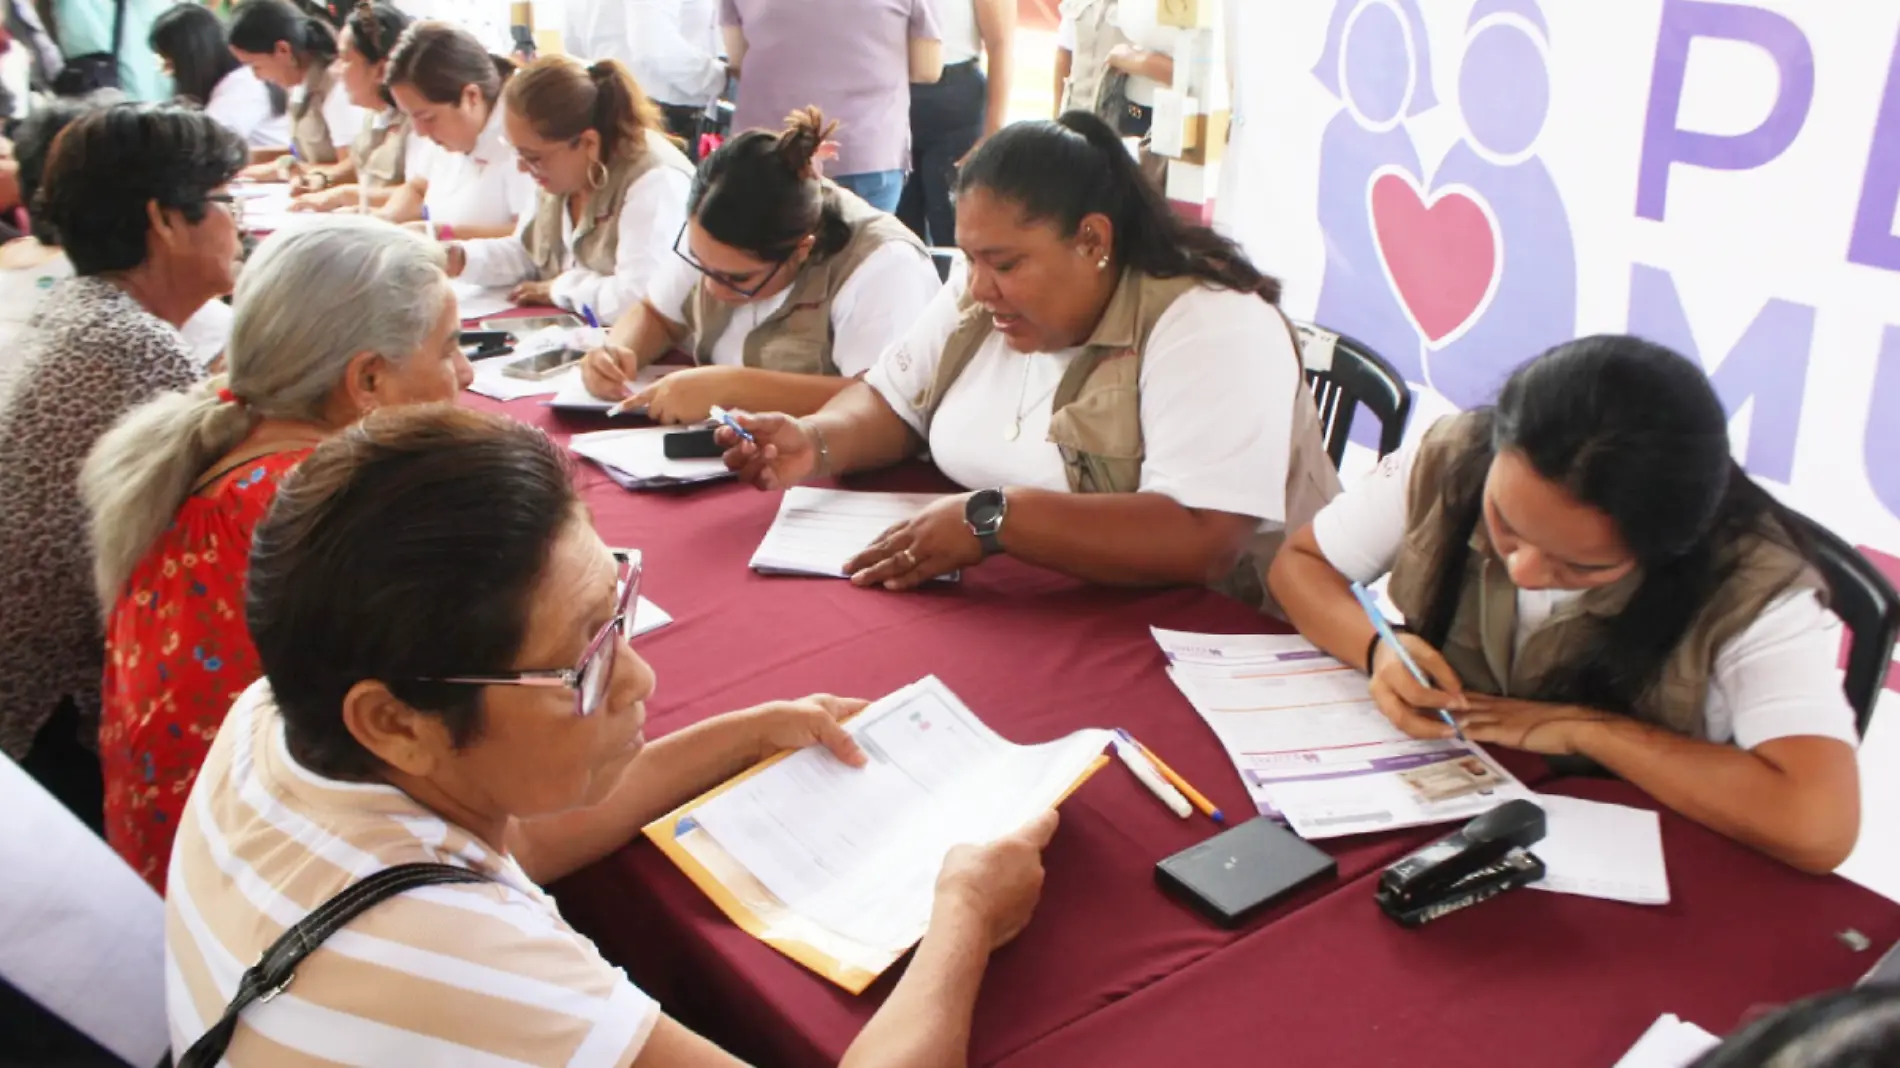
(985, 512)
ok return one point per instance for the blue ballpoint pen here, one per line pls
(587, 314)
(1386, 635)
(725, 417)
(428, 224)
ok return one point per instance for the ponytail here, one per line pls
(141, 471)
(562, 100)
(1077, 166)
(761, 192)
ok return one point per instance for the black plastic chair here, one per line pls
(1868, 605)
(1343, 374)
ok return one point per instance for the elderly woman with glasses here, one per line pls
(786, 287)
(457, 688)
(136, 197)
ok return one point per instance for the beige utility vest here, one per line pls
(308, 130)
(380, 150)
(1096, 416)
(797, 337)
(1097, 32)
(597, 234)
(1480, 644)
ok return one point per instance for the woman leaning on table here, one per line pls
(1116, 384)
(457, 688)
(294, 51)
(379, 158)
(613, 191)
(784, 287)
(1587, 571)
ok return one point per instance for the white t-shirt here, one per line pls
(1776, 679)
(1218, 384)
(344, 119)
(650, 218)
(241, 103)
(485, 187)
(872, 310)
(956, 26)
(671, 46)
(1139, 24)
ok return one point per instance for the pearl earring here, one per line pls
(1102, 264)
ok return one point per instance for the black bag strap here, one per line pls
(277, 967)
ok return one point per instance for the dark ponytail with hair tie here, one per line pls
(562, 99)
(1077, 166)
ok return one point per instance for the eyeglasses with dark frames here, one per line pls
(589, 678)
(680, 250)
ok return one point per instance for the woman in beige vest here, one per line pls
(784, 287)
(1587, 572)
(378, 160)
(1115, 384)
(613, 191)
(287, 48)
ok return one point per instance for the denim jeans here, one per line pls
(881, 189)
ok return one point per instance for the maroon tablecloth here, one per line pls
(1528, 978)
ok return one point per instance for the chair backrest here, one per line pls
(1344, 374)
(1867, 604)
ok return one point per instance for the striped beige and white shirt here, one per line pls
(475, 975)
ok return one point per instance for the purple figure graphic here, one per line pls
(1504, 96)
(1377, 63)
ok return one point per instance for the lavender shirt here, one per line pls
(849, 57)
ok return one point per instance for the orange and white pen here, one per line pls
(1195, 797)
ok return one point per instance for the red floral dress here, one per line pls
(177, 655)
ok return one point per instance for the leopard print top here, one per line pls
(92, 354)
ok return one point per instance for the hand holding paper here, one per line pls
(1000, 882)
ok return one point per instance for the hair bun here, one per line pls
(806, 131)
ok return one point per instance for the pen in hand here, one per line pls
(1390, 639)
(725, 417)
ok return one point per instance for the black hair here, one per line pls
(1857, 1028)
(258, 25)
(1077, 166)
(374, 31)
(192, 39)
(33, 145)
(1636, 431)
(110, 163)
(338, 594)
(760, 192)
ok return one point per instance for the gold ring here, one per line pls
(910, 561)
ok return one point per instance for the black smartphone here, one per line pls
(692, 445)
(477, 344)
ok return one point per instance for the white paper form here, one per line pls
(480, 302)
(1311, 746)
(1599, 850)
(641, 455)
(1670, 1042)
(858, 850)
(573, 395)
(818, 531)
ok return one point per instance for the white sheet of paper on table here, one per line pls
(1599, 850)
(642, 454)
(480, 302)
(490, 382)
(647, 618)
(858, 850)
(573, 395)
(818, 530)
(1670, 1042)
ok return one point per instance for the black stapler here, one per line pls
(1486, 857)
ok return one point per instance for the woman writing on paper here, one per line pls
(450, 87)
(379, 158)
(294, 51)
(343, 318)
(784, 287)
(191, 46)
(1116, 385)
(1586, 571)
(613, 191)
(360, 743)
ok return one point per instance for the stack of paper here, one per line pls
(1670, 1042)
(819, 530)
(837, 866)
(1598, 850)
(637, 459)
(1312, 747)
(266, 207)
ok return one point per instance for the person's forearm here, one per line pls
(1064, 58)
(1154, 66)
(403, 205)
(754, 389)
(669, 772)
(268, 155)
(996, 25)
(1731, 791)
(1124, 539)
(735, 48)
(925, 1023)
(1318, 601)
(646, 333)
(861, 432)
(926, 60)
(478, 233)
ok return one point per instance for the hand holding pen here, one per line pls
(1402, 688)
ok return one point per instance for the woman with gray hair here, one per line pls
(331, 322)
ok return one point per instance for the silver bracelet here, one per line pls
(818, 439)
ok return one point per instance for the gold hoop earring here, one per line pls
(596, 174)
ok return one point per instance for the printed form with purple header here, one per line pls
(1314, 750)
